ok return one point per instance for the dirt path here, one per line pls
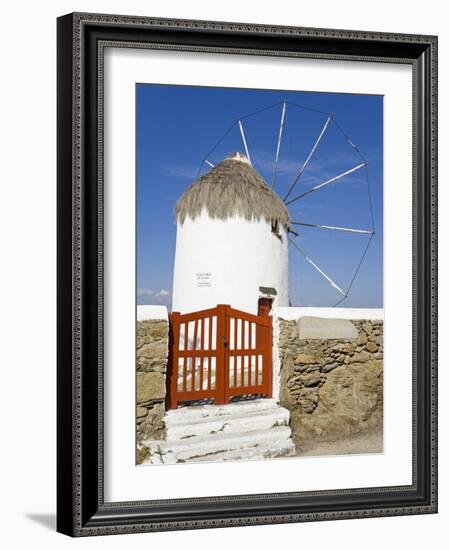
(371, 442)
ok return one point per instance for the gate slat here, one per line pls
(194, 355)
(250, 359)
(220, 364)
(235, 357)
(242, 346)
(209, 362)
(210, 333)
(184, 364)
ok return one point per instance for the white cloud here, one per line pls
(147, 296)
(163, 292)
(145, 292)
(183, 171)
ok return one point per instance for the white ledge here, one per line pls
(293, 313)
(152, 313)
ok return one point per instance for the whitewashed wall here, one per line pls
(239, 255)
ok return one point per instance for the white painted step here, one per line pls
(264, 443)
(241, 421)
(250, 453)
(193, 413)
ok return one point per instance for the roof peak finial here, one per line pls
(239, 156)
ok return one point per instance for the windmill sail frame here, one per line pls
(329, 119)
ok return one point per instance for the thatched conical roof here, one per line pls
(232, 188)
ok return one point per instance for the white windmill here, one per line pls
(234, 229)
(231, 241)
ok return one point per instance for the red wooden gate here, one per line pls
(218, 354)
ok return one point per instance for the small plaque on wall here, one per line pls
(203, 279)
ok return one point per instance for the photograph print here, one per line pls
(259, 286)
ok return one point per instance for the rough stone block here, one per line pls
(153, 425)
(371, 347)
(367, 327)
(159, 330)
(311, 379)
(307, 400)
(305, 359)
(142, 412)
(150, 386)
(360, 357)
(330, 367)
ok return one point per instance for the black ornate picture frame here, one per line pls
(81, 509)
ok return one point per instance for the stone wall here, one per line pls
(152, 353)
(333, 387)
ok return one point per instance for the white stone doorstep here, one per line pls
(152, 313)
(354, 314)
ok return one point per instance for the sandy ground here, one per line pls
(371, 442)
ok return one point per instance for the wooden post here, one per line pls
(210, 348)
(226, 340)
(194, 356)
(269, 357)
(220, 385)
(202, 354)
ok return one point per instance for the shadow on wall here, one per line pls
(46, 520)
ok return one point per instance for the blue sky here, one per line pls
(178, 127)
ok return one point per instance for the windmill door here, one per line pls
(219, 354)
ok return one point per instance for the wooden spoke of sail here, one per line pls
(328, 182)
(320, 271)
(306, 162)
(244, 140)
(335, 228)
(281, 127)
